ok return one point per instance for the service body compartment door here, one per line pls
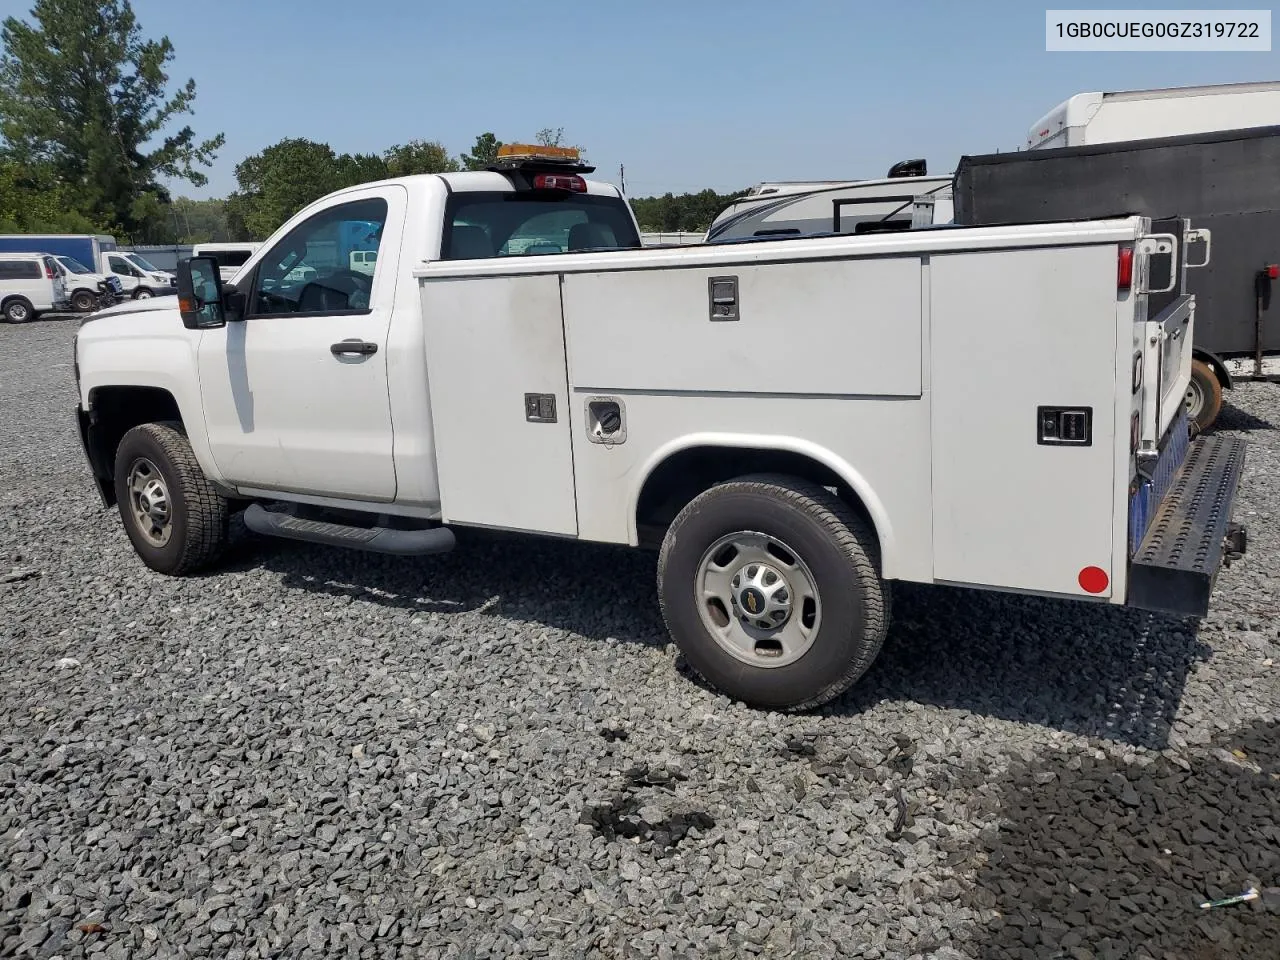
(1017, 338)
(499, 402)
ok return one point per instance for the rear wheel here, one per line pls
(83, 301)
(770, 587)
(175, 519)
(1204, 396)
(18, 310)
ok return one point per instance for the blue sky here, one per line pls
(687, 94)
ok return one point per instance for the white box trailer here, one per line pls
(1089, 118)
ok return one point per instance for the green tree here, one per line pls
(281, 180)
(85, 96)
(551, 137)
(33, 202)
(419, 156)
(484, 152)
(687, 212)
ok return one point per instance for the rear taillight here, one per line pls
(1124, 269)
(1273, 271)
(560, 181)
(48, 270)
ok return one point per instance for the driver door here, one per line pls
(295, 394)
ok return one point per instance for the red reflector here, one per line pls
(559, 181)
(1093, 580)
(1124, 269)
(1273, 271)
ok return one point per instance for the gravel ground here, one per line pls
(312, 752)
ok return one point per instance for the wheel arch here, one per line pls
(114, 409)
(680, 470)
(1214, 362)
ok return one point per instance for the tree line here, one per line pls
(85, 97)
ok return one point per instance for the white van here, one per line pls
(138, 276)
(363, 261)
(230, 256)
(30, 284)
(86, 289)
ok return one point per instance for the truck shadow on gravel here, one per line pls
(1097, 671)
(1107, 860)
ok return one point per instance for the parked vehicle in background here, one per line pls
(1092, 118)
(87, 289)
(1223, 181)
(138, 276)
(229, 256)
(793, 422)
(30, 284)
(88, 249)
(906, 198)
(363, 261)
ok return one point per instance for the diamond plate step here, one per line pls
(404, 543)
(1174, 568)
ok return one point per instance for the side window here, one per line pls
(314, 269)
(18, 270)
(121, 265)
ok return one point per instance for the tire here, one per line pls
(142, 293)
(83, 301)
(834, 554)
(197, 517)
(19, 310)
(1204, 396)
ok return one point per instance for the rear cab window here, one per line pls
(498, 224)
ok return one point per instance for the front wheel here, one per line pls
(83, 301)
(175, 519)
(18, 310)
(142, 293)
(769, 585)
(1204, 396)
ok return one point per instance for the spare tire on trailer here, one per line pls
(1204, 396)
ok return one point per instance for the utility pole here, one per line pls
(622, 176)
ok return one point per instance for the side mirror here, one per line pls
(200, 293)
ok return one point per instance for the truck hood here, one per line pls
(147, 305)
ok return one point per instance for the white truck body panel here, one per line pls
(1097, 117)
(812, 366)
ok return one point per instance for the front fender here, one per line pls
(783, 444)
(147, 348)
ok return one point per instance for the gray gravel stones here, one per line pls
(318, 753)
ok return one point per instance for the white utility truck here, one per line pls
(792, 422)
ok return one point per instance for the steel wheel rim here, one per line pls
(1194, 399)
(18, 312)
(82, 302)
(758, 599)
(142, 294)
(149, 500)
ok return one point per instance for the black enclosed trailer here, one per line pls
(1227, 182)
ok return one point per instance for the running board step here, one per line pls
(1174, 568)
(404, 543)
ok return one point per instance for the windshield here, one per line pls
(141, 263)
(74, 265)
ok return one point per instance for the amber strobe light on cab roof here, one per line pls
(537, 151)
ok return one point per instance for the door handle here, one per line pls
(362, 348)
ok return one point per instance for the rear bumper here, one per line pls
(1174, 567)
